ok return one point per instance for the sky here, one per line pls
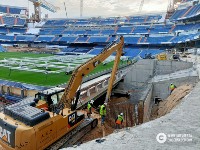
(95, 8)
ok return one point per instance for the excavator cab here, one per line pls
(45, 99)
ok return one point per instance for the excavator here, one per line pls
(41, 123)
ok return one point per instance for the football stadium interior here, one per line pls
(38, 54)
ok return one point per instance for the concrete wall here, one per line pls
(166, 67)
(140, 72)
(147, 105)
(140, 77)
(161, 89)
(143, 70)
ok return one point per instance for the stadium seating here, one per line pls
(12, 21)
(2, 49)
(158, 40)
(17, 30)
(20, 22)
(92, 32)
(79, 32)
(30, 38)
(82, 39)
(9, 21)
(160, 29)
(6, 38)
(44, 39)
(81, 50)
(122, 30)
(186, 37)
(125, 29)
(186, 13)
(68, 49)
(132, 52)
(95, 51)
(97, 39)
(107, 32)
(55, 23)
(12, 10)
(68, 39)
(194, 11)
(101, 21)
(150, 51)
(3, 30)
(139, 31)
(131, 40)
(45, 31)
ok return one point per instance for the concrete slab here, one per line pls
(181, 124)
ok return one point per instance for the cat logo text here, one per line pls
(5, 135)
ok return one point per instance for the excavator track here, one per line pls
(73, 136)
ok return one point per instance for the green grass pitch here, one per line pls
(34, 77)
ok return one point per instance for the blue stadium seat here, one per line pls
(158, 40)
(148, 51)
(6, 38)
(12, 10)
(3, 30)
(95, 51)
(20, 38)
(131, 40)
(44, 39)
(21, 22)
(124, 29)
(131, 52)
(68, 39)
(9, 21)
(92, 32)
(97, 39)
(3, 9)
(82, 39)
(17, 30)
(2, 49)
(81, 50)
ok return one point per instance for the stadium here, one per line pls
(38, 52)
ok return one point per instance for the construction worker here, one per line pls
(172, 87)
(103, 113)
(119, 120)
(89, 108)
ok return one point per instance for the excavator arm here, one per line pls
(84, 69)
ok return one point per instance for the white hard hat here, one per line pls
(105, 103)
(92, 101)
(171, 83)
(121, 114)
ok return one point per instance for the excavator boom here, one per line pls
(77, 76)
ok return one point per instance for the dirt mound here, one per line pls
(173, 100)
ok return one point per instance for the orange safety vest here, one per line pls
(119, 119)
(172, 87)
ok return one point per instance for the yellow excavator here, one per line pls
(45, 124)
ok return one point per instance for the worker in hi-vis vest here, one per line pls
(172, 87)
(103, 113)
(89, 108)
(119, 120)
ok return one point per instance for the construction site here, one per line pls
(90, 83)
(142, 108)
